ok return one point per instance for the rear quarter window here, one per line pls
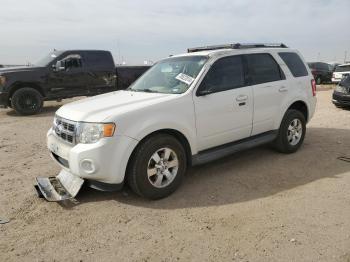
(294, 63)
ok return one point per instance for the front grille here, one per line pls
(65, 129)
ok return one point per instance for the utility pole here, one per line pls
(345, 56)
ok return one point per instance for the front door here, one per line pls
(223, 104)
(69, 80)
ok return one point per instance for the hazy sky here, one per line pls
(153, 29)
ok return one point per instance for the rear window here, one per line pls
(263, 69)
(294, 63)
(344, 68)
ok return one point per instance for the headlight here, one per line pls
(2, 80)
(88, 133)
(340, 89)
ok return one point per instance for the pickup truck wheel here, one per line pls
(157, 167)
(27, 101)
(291, 133)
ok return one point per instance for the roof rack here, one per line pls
(236, 46)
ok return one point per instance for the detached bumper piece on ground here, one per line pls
(62, 187)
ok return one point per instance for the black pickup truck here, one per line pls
(63, 74)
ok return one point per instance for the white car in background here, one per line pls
(340, 72)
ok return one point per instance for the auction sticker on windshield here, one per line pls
(185, 78)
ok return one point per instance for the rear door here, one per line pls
(101, 72)
(270, 90)
(223, 104)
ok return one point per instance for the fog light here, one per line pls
(88, 166)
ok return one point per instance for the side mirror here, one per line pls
(59, 66)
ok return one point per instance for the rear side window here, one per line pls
(294, 63)
(225, 74)
(99, 60)
(263, 68)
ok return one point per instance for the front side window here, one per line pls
(294, 63)
(72, 62)
(225, 74)
(170, 76)
(263, 69)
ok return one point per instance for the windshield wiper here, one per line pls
(147, 90)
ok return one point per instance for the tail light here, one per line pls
(313, 85)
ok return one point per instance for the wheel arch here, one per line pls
(302, 107)
(173, 132)
(298, 104)
(16, 86)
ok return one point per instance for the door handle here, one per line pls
(283, 89)
(241, 98)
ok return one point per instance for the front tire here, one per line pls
(291, 133)
(157, 167)
(27, 101)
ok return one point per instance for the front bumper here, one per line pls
(62, 187)
(104, 161)
(4, 100)
(336, 80)
(341, 99)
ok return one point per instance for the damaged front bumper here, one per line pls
(62, 187)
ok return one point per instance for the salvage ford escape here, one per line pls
(186, 110)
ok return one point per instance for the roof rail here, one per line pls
(236, 46)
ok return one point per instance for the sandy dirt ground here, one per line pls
(258, 205)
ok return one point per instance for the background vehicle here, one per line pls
(126, 75)
(186, 110)
(60, 75)
(340, 72)
(322, 72)
(341, 94)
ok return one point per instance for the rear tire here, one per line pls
(291, 133)
(157, 167)
(318, 80)
(27, 101)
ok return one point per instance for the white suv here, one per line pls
(340, 72)
(186, 110)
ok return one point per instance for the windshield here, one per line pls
(170, 76)
(45, 61)
(343, 68)
(345, 81)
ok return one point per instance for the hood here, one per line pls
(19, 69)
(103, 108)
